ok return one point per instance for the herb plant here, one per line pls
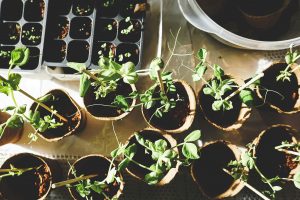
(164, 157)
(20, 57)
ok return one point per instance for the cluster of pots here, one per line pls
(205, 171)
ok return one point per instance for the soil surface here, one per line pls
(176, 117)
(91, 103)
(288, 89)
(33, 184)
(208, 170)
(94, 165)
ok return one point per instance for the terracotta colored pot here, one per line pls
(31, 184)
(67, 107)
(208, 172)
(10, 135)
(184, 111)
(94, 164)
(143, 158)
(105, 113)
(290, 104)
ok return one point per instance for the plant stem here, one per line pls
(258, 76)
(289, 152)
(138, 164)
(95, 78)
(74, 180)
(249, 187)
(161, 84)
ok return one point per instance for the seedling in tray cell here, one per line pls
(31, 34)
(106, 29)
(78, 51)
(10, 33)
(34, 10)
(11, 10)
(5, 52)
(57, 28)
(80, 28)
(107, 8)
(101, 49)
(129, 30)
(127, 52)
(133, 8)
(83, 7)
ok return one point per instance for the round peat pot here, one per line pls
(283, 96)
(32, 34)
(106, 8)
(10, 135)
(178, 119)
(227, 120)
(10, 33)
(11, 10)
(68, 108)
(101, 49)
(129, 31)
(80, 28)
(208, 171)
(106, 29)
(127, 52)
(34, 11)
(83, 7)
(102, 109)
(33, 184)
(95, 164)
(262, 14)
(270, 161)
(55, 51)
(78, 51)
(145, 158)
(34, 59)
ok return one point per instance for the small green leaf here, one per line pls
(277, 188)
(14, 80)
(5, 90)
(200, 70)
(77, 66)
(153, 177)
(8, 108)
(202, 53)
(217, 105)
(218, 72)
(208, 91)
(155, 66)
(46, 98)
(111, 176)
(196, 77)
(15, 121)
(297, 179)
(247, 160)
(190, 151)
(19, 56)
(193, 136)
(84, 85)
(123, 164)
(21, 109)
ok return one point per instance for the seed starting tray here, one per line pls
(61, 31)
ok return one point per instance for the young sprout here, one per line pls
(164, 157)
(130, 28)
(220, 84)
(291, 58)
(13, 171)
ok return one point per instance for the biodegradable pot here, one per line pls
(290, 104)
(95, 164)
(10, 135)
(34, 184)
(228, 120)
(208, 172)
(146, 159)
(98, 107)
(212, 7)
(181, 117)
(270, 161)
(262, 14)
(65, 105)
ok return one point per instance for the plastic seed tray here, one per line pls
(22, 24)
(61, 31)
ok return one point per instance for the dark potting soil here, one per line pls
(63, 105)
(95, 165)
(34, 10)
(5, 56)
(30, 185)
(55, 51)
(101, 49)
(107, 8)
(78, 51)
(260, 7)
(11, 10)
(221, 118)
(33, 59)
(124, 49)
(208, 170)
(127, 8)
(59, 7)
(93, 105)
(142, 157)
(83, 7)
(106, 29)
(10, 33)
(176, 117)
(57, 28)
(270, 161)
(134, 35)
(288, 89)
(32, 34)
(80, 28)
